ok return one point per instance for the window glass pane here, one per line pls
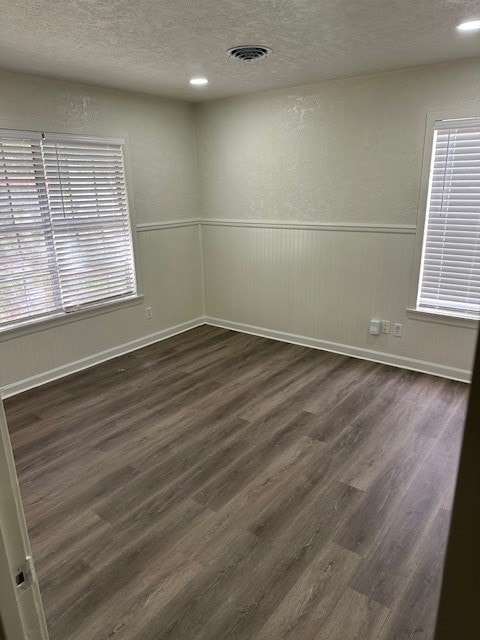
(88, 204)
(65, 237)
(28, 283)
(450, 274)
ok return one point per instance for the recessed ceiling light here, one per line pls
(198, 82)
(471, 25)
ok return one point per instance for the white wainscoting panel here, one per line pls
(309, 284)
(326, 285)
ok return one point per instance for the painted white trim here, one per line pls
(96, 358)
(443, 318)
(361, 227)
(169, 224)
(313, 226)
(21, 611)
(422, 366)
(202, 270)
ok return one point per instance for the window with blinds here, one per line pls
(65, 237)
(450, 271)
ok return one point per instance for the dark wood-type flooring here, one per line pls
(221, 486)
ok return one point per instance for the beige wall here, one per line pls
(162, 187)
(344, 152)
(160, 135)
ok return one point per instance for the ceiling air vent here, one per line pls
(248, 52)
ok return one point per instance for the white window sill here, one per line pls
(10, 333)
(442, 318)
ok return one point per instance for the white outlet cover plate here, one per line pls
(398, 329)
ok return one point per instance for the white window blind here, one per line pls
(65, 238)
(450, 273)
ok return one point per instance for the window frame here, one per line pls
(58, 319)
(413, 312)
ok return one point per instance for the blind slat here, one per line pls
(450, 274)
(65, 239)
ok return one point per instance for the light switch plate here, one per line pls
(374, 328)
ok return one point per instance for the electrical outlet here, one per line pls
(385, 326)
(398, 330)
(149, 313)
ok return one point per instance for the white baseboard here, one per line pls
(97, 358)
(422, 366)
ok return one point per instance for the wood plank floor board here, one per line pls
(357, 438)
(222, 486)
(380, 388)
(390, 440)
(54, 543)
(346, 378)
(264, 445)
(104, 481)
(420, 596)
(305, 608)
(390, 563)
(355, 616)
(37, 495)
(403, 454)
(243, 614)
(167, 577)
(165, 484)
(289, 379)
(254, 574)
(339, 429)
(115, 563)
(382, 498)
(265, 495)
(129, 547)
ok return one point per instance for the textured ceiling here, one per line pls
(155, 46)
